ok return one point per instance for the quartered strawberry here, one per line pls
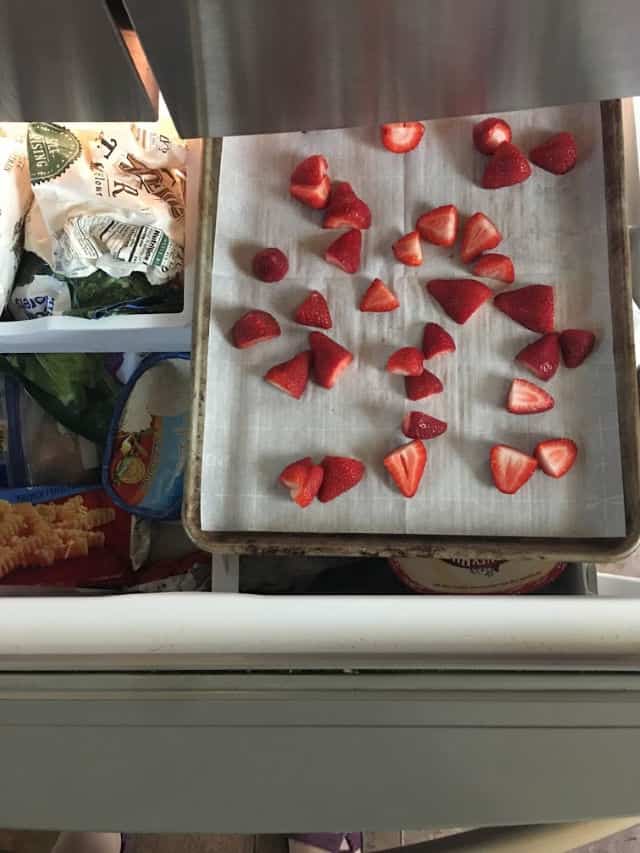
(408, 249)
(576, 346)
(329, 359)
(345, 252)
(291, 376)
(510, 468)
(496, 266)
(556, 456)
(436, 340)
(378, 298)
(542, 357)
(310, 182)
(341, 473)
(420, 425)
(507, 167)
(270, 265)
(303, 479)
(254, 327)
(310, 171)
(406, 465)
(559, 154)
(406, 362)
(525, 398)
(459, 297)
(479, 235)
(345, 209)
(419, 387)
(401, 136)
(314, 311)
(439, 226)
(531, 306)
(489, 134)
(313, 195)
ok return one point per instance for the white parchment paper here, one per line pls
(554, 228)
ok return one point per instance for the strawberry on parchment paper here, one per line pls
(489, 133)
(510, 468)
(291, 376)
(401, 136)
(576, 346)
(531, 306)
(460, 298)
(526, 398)
(314, 311)
(542, 357)
(419, 387)
(330, 359)
(303, 479)
(346, 251)
(378, 298)
(407, 361)
(439, 226)
(408, 250)
(346, 209)
(558, 154)
(341, 473)
(310, 182)
(422, 426)
(436, 341)
(406, 465)
(556, 456)
(507, 167)
(479, 235)
(253, 328)
(495, 266)
(270, 265)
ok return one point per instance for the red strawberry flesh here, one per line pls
(330, 359)
(542, 357)
(460, 298)
(479, 235)
(345, 209)
(345, 252)
(408, 250)
(495, 266)
(378, 298)
(556, 456)
(401, 136)
(510, 468)
(253, 328)
(525, 398)
(406, 362)
(341, 473)
(422, 426)
(576, 346)
(310, 171)
(314, 311)
(419, 387)
(291, 376)
(490, 133)
(406, 465)
(439, 226)
(531, 306)
(507, 167)
(558, 154)
(316, 196)
(436, 341)
(303, 479)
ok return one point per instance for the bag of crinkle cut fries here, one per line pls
(56, 537)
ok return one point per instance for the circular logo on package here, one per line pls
(471, 577)
(52, 149)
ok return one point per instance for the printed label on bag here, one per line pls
(52, 149)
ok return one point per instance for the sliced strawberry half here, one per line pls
(490, 133)
(419, 387)
(406, 465)
(525, 398)
(346, 251)
(436, 341)
(542, 357)
(345, 209)
(329, 359)
(253, 328)
(314, 311)
(507, 167)
(479, 235)
(270, 265)
(291, 376)
(310, 171)
(496, 266)
(439, 226)
(531, 306)
(341, 473)
(510, 468)
(559, 154)
(303, 479)
(315, 196)
(378, 298)
(422, 426)
(408, 249)
(406, 361)
(401, 136)
(556, 456)
(576, 346)
(459, 297)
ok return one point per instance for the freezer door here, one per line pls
(252, 66)
(66, 61)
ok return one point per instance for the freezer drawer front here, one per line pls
(65, 61)
(251, 66)
(197, 753)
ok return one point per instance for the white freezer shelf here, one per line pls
(139, 333)
(209, 631)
